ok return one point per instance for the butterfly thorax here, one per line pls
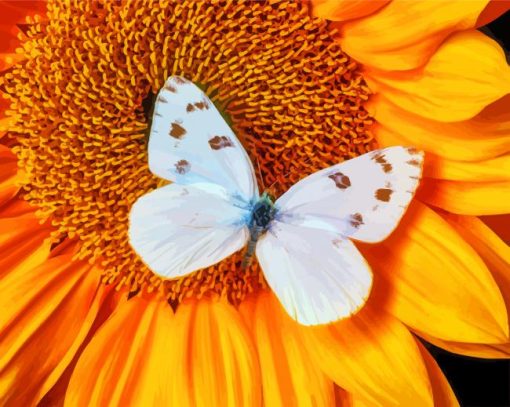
(262, 214)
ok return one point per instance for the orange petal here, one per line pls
(499, 224)
(422, 26)
(23, 243)
(493, 10)
(495, 169)
(128, 358)
(290, 377)
(373, 356)
(443, 393)
(436, 283)
(49, 311)
(468, 72)
(467, 198)
(145, 356)
(9, 180)
(481, 138)
(341, 10)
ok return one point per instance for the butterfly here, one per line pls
(303, 240)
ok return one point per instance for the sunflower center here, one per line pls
(295, 101)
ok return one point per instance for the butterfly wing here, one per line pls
(178, 229)
(363, 198)
(190, 142)
(318, 276)
(306, 255)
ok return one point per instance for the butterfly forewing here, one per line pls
(190, 142)
(363, 198)
(318, 276)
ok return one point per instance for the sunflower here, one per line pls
(304, 86)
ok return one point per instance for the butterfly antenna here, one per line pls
(260, 174)
(288, 173)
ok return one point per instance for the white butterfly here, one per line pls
(303, 240)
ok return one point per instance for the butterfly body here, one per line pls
(303, 241)
(262, 214)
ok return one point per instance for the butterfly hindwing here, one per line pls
(178, 229)
(363, 198)
(318, 276)
(190, 142)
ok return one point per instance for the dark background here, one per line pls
(480, 382)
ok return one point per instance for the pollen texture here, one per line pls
(293, 98)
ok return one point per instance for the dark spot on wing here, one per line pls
(383, 194)
(162, 99)
(341, 180)
(414, 162)
(182, 166)
(177, 131)
(170, 88)
(202, 105)
(190, 107)
(219, 142)
(357, 220)
(413, 150)
(380, 159)
(179, 80)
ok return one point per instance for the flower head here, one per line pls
(301, 93)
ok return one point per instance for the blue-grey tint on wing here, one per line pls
(178, 229)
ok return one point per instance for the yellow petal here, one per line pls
(436, 283)
(481, 138)
(290, 377)
(495, 169)
(467, 73)
(496, 255)
(443, 393)
(341, 10)
(467, 198)
(46, 314)
(477, 350)
(404, 34)
(226, 368)
(374, 357)
(146, 356)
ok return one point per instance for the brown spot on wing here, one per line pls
(190, 107)
(219, 142)
(179, 80)
(357, 220)
(383, 194)
(170, 88)
(177, 131)
(413, 150)
(341, 180)
(162, 99)
(414, 162)
(380, 159)
(202, 105)
(182, 166)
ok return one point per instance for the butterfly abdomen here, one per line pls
(255, 232)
